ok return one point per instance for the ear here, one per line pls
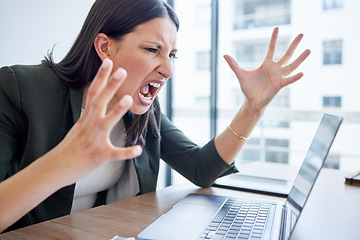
(102, 46)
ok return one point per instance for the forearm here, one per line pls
(86, 147)
(227, 143)
(259, 87)
(22, 192)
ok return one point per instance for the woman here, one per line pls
(40, 104)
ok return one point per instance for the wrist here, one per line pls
(250, 110)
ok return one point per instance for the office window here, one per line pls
(332, 52)
(333, 102)
(277, 156)
(277, 142)
(332, 4)
(251, 52)
(191, 81)
(251, 151)
(201, 100)
(237, 96)
(290, 121)
(276, 124)
(203, 61)
(203, 15)
(332, 161)
(250, 155)
(253, 141)
(282, 99)
(277, 150)
(261, 13)
(268, 150)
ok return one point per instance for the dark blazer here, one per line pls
(36, 112)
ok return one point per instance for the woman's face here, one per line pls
(147, 55)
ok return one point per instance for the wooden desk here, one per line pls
(330, 213)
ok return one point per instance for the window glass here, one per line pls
(260, 13)
(332, 52)
(203, 61)
(332, 4)
(330, 84)
(332, 102)
(191, 81)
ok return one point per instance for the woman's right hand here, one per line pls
(87, 145)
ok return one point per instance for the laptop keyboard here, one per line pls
(239, 220)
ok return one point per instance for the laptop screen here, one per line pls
(314, 160)
(309, 171)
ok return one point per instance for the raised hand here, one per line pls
(262, 84)
(87, 145)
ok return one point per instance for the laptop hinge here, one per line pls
(283, 222)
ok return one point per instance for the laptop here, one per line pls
(201, 216)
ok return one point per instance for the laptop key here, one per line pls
(210, 235)
(217, 237)
(220, 215)
(240, 223)
(221, 232)
(243, 236)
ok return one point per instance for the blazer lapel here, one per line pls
(76, 97)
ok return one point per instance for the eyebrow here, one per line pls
(159, 45)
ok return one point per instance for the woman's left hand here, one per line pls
(260, 86)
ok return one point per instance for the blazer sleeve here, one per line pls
(12, 121)
(201, 165)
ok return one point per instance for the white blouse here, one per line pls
(119, 177)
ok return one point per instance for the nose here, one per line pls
(165, 68)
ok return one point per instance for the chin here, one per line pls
(139, 110)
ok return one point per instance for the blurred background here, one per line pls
(204, 95)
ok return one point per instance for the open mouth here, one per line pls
(149, 91)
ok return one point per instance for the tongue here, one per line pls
(144, 90)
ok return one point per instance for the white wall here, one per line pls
(30, 28)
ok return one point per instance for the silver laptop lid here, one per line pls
(310, 169)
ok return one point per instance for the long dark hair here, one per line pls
(115, 18)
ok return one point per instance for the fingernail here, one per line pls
(137, 150)
(126, 101)
(120, 72)
(232, 60)
(106, 61)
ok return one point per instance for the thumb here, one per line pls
(234, 66)
(126, 153)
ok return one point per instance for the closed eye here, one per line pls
(152, 50)
(155, 50)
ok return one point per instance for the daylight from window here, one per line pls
(331, 83)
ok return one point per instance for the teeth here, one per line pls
(156, 85)
(147, 98)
